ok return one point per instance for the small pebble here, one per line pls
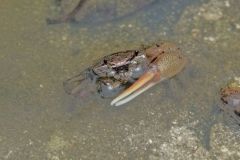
(150, 141)
(130, 25)
(227, 4)
(64, 38)
(211, 39)
(237, 26)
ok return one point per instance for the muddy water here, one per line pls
(178, 118)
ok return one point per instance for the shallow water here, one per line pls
(177, 119)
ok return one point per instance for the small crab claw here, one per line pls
(146, 81)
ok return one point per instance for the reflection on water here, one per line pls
(95, 12)
(176, 119)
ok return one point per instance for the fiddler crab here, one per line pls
(230, 96)
(129, 73)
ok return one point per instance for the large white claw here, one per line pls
(142, 84)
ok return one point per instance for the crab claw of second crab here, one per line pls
(146, 81)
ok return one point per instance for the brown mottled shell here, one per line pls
(229, 91)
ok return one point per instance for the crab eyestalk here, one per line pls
(165, 66)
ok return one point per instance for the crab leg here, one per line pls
(145, 82)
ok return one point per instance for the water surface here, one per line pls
(177, 119)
